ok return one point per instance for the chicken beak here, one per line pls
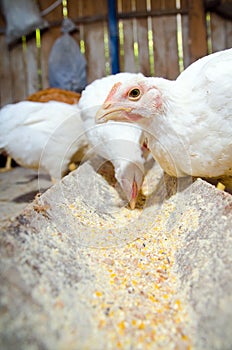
(106, 113)
(132, 203)
(134, 195)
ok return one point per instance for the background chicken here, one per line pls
(119, 144)
(188, 122)
(42, 135)
(55, 94)
(46, 95)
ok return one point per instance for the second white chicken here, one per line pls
(42, 135)
(120, 144)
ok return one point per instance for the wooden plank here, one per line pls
(128, 47)
(184, 5)
(171, 41)
(5, 70)
(94, 39)
(24, 69)
(18, 72)
(165, 41)
(32, 66)
(157, 5)
(75, 11)
(129, 63)
(95, 52)
(197, 30)
(228, 34)
(5, 73)
(17, 63)
(221, 32)
(218, 34)
(142, 34)
(185, 38)
(48, 38)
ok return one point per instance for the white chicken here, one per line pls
(42, 135)
(119, 144)
(187, 122)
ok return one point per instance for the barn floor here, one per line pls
(80, 270)
(18, 187)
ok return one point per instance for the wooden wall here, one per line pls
(153, 37)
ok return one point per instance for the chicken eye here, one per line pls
(134, 94)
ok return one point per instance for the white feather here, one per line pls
(188, 122)
(119, 143)
(198, 118)
(44, 135)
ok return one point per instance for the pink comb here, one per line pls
(112, 91)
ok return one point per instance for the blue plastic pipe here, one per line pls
(113, 33)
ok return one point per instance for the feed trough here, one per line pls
(80, 270)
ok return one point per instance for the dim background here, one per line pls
(154, 37)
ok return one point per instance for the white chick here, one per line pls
(119, 144)
(42, 135)
(187, 122)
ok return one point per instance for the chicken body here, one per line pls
(55, 94)
(120, 144)
(187, 122)
(42, 135)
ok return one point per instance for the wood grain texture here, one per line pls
(19, 69)
(142, 35)
(5, 73)
(165, 42)
(19, 73)
(129, 63)
(48, 38)
(197, 30)
(184, 5)
(32, 66)
(185, 38)
(94, 39)
(221, 31)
